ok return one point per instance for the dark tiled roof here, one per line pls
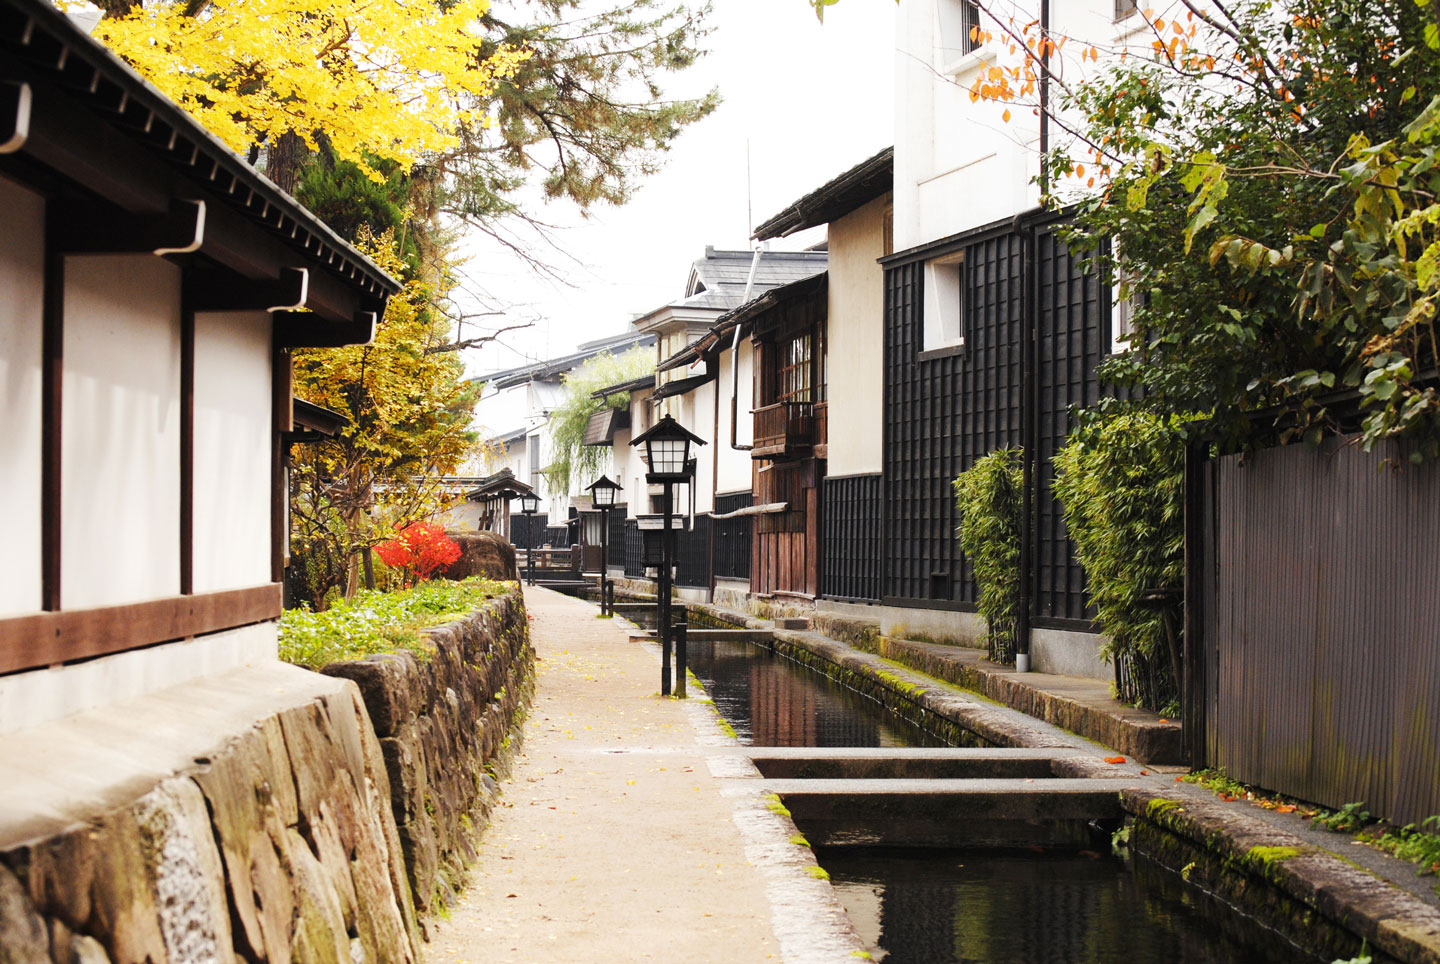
(633, 385)
(858, 186)
(558, 366)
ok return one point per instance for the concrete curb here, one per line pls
(1139, 734)
(1323, 899)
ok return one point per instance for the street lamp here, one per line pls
(530, 504)
(602, 493)
(667, 453)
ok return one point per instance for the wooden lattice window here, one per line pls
(796, 360)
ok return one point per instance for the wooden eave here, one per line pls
(129, 170)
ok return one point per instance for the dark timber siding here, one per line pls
(1319, 627)
(692, 554)
(616, 536)
(634, 550)
(851, 538)
(1074, 334)
(732, 537)
(944, 410)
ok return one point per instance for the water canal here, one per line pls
(1078, 902)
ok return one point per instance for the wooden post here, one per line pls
(664, 590)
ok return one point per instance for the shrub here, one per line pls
(988, 495)
(378, 622)
(1120, 480)
(421, 550)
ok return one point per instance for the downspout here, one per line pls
(714, 484)
(1027, 440)
(735, 359)
(1044, 97)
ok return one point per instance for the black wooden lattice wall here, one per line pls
(944, 409)
(943, 412)
(692, 554)
(732, 537)
(616, 535)
(1073, 335)
(634, 550)
(850, 538)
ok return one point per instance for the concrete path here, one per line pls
(615, 839)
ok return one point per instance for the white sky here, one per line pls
(811, 101)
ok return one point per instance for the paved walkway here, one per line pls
(615, 840)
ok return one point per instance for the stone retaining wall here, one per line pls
(270, 814)
(446, 724)
(275, 844)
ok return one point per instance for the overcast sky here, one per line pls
(811, 102)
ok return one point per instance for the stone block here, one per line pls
(24, 938)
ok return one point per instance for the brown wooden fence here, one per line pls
(1315, 625)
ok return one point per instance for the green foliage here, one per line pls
(378, 622)
(1120, 481)
(988, 495)
(1271, 198)
(1414, 844)
(1347, 819)
(573, 461)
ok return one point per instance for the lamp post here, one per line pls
(667, 453)
(530, 504)
(602, 493)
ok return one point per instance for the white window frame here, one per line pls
(1122, 309)
(944, 302)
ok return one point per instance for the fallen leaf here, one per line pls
(1114, 759)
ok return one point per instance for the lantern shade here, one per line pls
(667, 448)
(602, 490)
(529, 504)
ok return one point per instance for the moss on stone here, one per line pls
(799, 840)
(773, 804)
(818, 872)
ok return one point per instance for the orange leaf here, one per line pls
(1114, 759)
(1286, 808)
(1006, 116)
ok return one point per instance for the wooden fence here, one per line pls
(1314, 623)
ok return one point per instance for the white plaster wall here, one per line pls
(958, 164)
(120, 475)
(735, 464)
(232, 450)
(22, 234)
(702, 415)
(29, 699)
(855, 340)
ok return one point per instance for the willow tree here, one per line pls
(572, 461)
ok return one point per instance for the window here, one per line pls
(1124, 9)
(1123, 302)
(945, 302)
(795, 359)
(887, 233)
(959, 29)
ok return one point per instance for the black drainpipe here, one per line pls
(1044, 97)
(1027, 438)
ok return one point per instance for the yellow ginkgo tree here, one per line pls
(391, 80)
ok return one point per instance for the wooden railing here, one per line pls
(783, 429)
(546, 560)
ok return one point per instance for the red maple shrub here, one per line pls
(421, 550)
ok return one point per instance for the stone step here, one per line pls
(948, 813)
(885, 763)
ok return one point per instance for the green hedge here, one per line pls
(1120, 480)
(378, 622)
(988, 496)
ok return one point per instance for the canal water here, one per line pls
(772, 701)
(1075, 904)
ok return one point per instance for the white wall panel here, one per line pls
(232, 450)
(855, 340)
(120, 477)
(22, 262)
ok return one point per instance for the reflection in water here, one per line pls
(1006, 907)
(771, 701)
